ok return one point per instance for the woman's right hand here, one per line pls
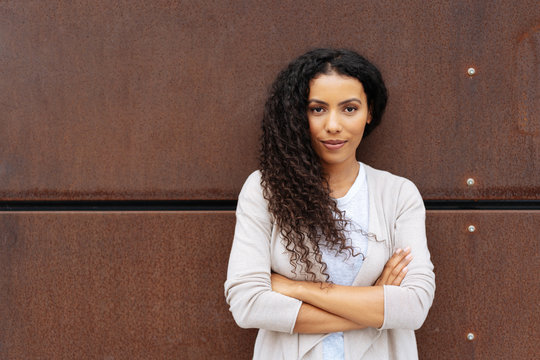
(396, 268)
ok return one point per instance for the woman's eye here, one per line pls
(317, 110)
(350, 109)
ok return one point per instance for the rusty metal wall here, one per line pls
(150, 285)
(162, 99)
(117, 286)
(487, 286)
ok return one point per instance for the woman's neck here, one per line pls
(341, 177)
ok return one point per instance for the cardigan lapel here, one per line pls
(377, 245)
(376, 254)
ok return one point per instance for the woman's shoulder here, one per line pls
(383, 181)
(252, 185)
(251, 199)
(385, 176)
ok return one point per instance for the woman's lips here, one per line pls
(333, 144)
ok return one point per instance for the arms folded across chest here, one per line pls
(248, 288)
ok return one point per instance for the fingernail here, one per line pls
(407, 248)
(408, 257)
(398, 251)
(405, 269)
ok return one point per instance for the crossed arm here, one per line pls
(331, 308)
(259, 299)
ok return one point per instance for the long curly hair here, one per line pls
(293, 180)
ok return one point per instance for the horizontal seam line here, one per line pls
(230, 205)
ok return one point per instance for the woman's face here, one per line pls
(337, 114)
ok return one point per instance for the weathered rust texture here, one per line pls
(150, 286)
(163, 99)
(487, 284)
(117, 286)
(449, 126)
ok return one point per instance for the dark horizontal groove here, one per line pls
(126, 205)
(230, 205)
(482, 204)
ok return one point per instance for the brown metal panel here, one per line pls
(150, 285)
(447, 126)
(117, 286)
(487, 285)
(162, 99)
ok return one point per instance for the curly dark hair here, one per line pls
(293, 180)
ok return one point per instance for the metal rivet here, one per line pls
(470, 336)
(471, 71)
(470, 181)
(471, 228)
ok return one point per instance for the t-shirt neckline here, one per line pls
(359, 183)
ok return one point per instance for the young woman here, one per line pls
(329, 258)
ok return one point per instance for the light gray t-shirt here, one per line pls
(342, 267)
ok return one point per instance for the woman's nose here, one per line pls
(333, 123)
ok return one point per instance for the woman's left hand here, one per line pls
(396, 268)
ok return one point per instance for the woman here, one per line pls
(329, 258)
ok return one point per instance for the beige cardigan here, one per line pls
(396, 220)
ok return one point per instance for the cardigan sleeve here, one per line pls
(406, 306)
(248, 288)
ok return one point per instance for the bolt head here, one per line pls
(471, 228)
(470, 336)
(470, 181)
(471, 71)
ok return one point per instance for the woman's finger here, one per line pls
(397, 274)
(388, 268)
(397, 281)
(394, 261)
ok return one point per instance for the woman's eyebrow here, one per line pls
(350, 100)
(340, 103)
(317, 101)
